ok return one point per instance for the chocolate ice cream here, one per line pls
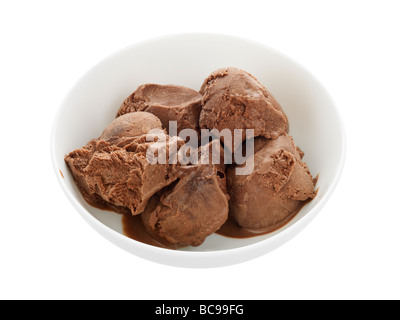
(186, 198)
(275, 190)
(131, 125)
(234, 99)
(191, 209)
(113, 170)
(167, 102)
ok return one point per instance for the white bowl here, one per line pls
(187, 59)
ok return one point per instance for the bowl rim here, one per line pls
(196, 259)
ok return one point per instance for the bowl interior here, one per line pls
(187, 60)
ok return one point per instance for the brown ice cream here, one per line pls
(184, 201)
(234, 99)
(167, 102)
(131, 125)
(191, 209)
(113, 170)
(275, 190)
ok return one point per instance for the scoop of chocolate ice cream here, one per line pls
(191, 209)
(116, 173)
(131, 125)
(275, 190)
(234, 99)
(167, 102)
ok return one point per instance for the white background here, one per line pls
(351, 250)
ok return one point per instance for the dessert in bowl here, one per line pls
(186, 61)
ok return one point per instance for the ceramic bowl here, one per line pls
(187, 59)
